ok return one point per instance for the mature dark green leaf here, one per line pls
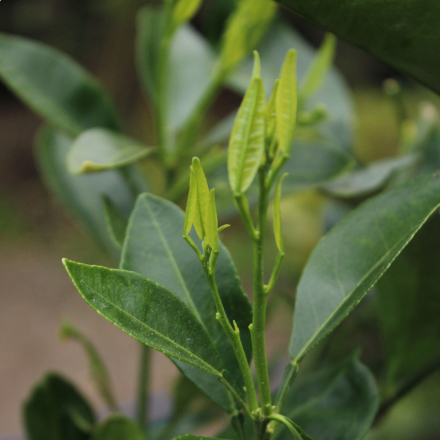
(409, 305)
(55, 86)
(334, 93)
(154, 247)
(82, 195)
(403, 34)
(97, 368)
(147, 312)
(116, 222)
(338, 403)
(55, 410)
(117, 427)
(190, 64)
(354, 255)
(99, 149)
(366, 180)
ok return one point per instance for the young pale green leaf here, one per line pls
(154, 247)
(212, 223)
(99, 149)
(354, 255)
(98, 370)
(184, 10)
(82, 196)
(143, 309)
(286, 102)
(246, 145)
(319, 68)
(271, 110)
(116, 222)
(117, 427)
(277, 229)
(198, 201)
(56, 410)
(352, 391)
(55, 86)
(409, 308)
(245, 28)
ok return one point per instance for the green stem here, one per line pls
(275, 272)
(142, 403)
(285, 421)
(260, 302)
(243, 207)
(233, 335)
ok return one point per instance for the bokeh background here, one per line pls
(35, 233)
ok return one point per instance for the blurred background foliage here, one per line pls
(35, 232)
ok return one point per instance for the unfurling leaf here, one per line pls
(198, 201)
(98, 371)
(246, 145)
(184, 10)
(143, 309)
(245, 28)
(319, 68)
(286, 102)
(277, 230)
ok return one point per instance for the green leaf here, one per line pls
(116, 222)
(245, 28)
(190, 64)
(366, 180)
(246, 145)
(55, 86)
(53, 410)
(337, 403)
(82, 196)
(334, 93)
(409, 307)
(212, 223)
(142, 309)
(404, 35)
(354, 255)
(198, 200)
(184, 10)
(319, 68)
(277, 229)
(286, 102)
(100, 150)
(117, 427)
(154, 247)
(98, 370)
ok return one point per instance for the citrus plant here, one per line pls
(176, 289)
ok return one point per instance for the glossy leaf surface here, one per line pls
(403, 34)
(354, 255)
(409, 306)
(246, 144)
(100, 150)
(55, 410)
(154, 247)
(338, 403)
(117, 427)
(55, 86)
(147, 312)
(82, 196)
